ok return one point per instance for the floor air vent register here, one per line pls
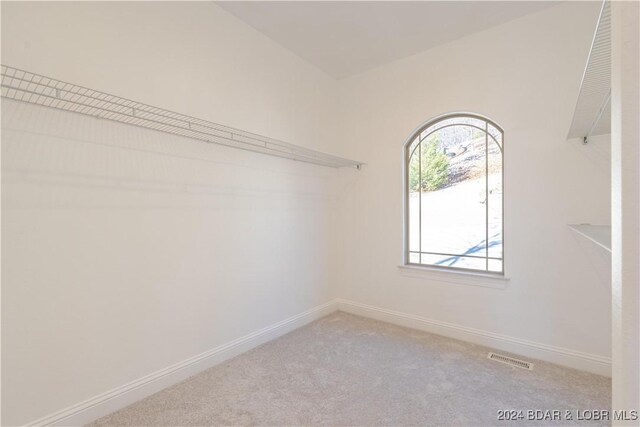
(510, 361)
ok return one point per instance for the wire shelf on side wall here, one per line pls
(592, 114)
(598, 234)
(37, 89)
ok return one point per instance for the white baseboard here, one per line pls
(119, 397)
(562, 356)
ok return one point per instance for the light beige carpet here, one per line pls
(345, 370)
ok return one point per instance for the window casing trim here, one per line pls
(405, 193)
(431, 275)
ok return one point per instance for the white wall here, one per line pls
(524, 75)
(126, 250)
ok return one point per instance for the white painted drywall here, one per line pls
(625, 177)
(124, 250)
(524, 75)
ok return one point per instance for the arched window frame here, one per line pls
(405, 172)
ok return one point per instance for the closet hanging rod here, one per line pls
(37, 89)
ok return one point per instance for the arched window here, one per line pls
(453, 194)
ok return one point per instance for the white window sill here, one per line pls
(459, 277)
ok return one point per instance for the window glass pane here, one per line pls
(454, 261)
(495, 266)
(413, 145)
(460, 120)
(414, 201)
(454, 197)
(495, 201)
(496, 134)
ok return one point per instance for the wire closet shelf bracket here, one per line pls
(34, 88)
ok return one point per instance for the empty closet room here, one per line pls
(306, 213)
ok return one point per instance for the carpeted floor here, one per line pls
(345, 370)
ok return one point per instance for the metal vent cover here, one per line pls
(510, 361)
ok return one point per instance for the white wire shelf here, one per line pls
(34, 88)
(592, 115)
(598, 234)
